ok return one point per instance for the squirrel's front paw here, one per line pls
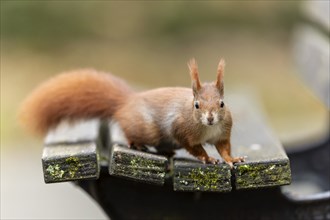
(210, 160)
(238, 159)
(235, 160)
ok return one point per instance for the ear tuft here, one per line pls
(193, 68)
(220, 74)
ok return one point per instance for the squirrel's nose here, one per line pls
(210, 119)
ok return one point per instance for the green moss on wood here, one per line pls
(144, 163)
(73, 165)
(81, 163)
(202, 178)
(262, 175)
(206, 178)
(144, 168)
(55, 171)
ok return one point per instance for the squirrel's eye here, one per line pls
(196, 104)
(222, 104)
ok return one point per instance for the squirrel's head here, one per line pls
(208, 105)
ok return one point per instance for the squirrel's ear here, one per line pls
(193, 68)
(220, 73)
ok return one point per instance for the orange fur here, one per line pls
(77, 94)
(221, 67)
(196, 84)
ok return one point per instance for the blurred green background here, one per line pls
(148, 44)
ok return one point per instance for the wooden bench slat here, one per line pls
(267, 163)
(137, 165)
(70, 162)
(73, 132)
(71, 152)
(191, 175)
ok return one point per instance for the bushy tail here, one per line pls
(73, 95)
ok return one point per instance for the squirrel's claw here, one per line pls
(210, 160)
(235, 160)
(230, 164)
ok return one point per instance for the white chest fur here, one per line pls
(212, 134)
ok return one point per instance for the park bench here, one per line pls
(83, 151)
(130, 184)
(76, 151)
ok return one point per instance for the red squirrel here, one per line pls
(162, 117)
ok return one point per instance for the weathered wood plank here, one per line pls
(73, 132)
(192, 175)
(137, 165)
(71, 152)
(67, 162)
(267, 163)
(264, 174)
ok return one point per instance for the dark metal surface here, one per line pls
(311, 167)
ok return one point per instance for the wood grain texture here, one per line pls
(137, 165)
(191, 175)
(71, 152)
(266, 161)
(70, 162)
